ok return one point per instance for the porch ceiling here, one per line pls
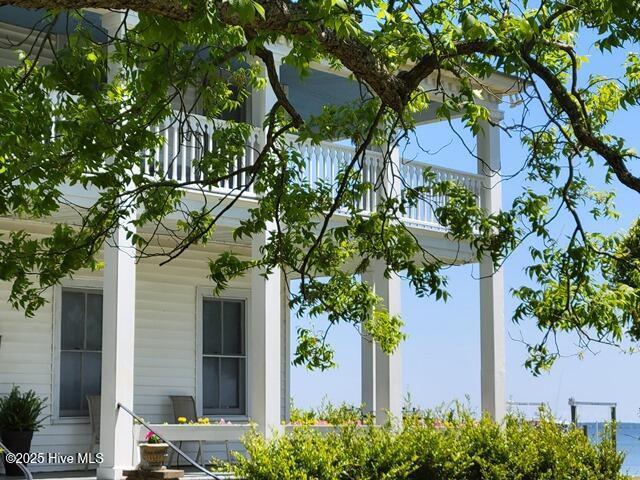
(311, 94)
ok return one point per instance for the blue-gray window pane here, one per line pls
(70, 382)
(211, 327)
(72, 329)
(233, 341)
(80, 350)
(210, 383)
(230, 383)
(92, 363)
(94, 322)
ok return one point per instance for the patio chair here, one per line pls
(93, 401)
(185, 406)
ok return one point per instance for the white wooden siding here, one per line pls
(165, 356)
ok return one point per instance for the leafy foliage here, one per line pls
(21, 412)
(88, 121)
(433, 447)
(327, 414)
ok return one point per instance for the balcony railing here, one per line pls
(184, 144)
(423, 213)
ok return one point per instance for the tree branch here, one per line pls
(614, 158)
(272, 73)
(173, 9)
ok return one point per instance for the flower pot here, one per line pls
(153, 455)
(16, 442)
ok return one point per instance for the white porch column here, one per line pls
(118, 328)
(492, 334)
(265, 346)
(285, 349)
(384, 371)
(381, 374)
(368, 369)
(265, 330)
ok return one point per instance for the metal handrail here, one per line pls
(171, 445)
(20, 465)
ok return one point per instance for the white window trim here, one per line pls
(81, 284)
(243, 294)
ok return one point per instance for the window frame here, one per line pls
(231, 294)
(81, 285)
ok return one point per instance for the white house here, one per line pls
(138, 332)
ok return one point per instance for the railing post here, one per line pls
(492, 335)
(614, 427)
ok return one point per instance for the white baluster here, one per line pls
(322, 166)
(146, 164)
(194, 154)
(422, 204)
(186, 153)
(321, 153)
(414, 182)
(254, 156)
(331, 168)
(242, 177)
(364, 178)
(374, 192)
(165, 150)
(311, 152)
(176, 151)
(335, 167)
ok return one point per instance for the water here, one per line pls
(628, 438)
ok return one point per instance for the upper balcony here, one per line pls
(178, 157)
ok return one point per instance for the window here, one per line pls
(80, 350)
(223, 357)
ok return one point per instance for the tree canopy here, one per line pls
(585, 283)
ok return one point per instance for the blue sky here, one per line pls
(441, 357)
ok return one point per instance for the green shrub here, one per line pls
(433, 447)
(20, 412)
(327, 414)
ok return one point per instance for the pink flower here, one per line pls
(151, 437)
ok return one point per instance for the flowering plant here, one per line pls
(329, 415)
(202, 421)
(152, 437)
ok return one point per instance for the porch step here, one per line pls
(200, 476)
(187, 476)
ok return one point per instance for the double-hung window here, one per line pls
(80, 350)
(223, 357)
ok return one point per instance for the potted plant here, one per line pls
(153, 452)
(20, 416)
